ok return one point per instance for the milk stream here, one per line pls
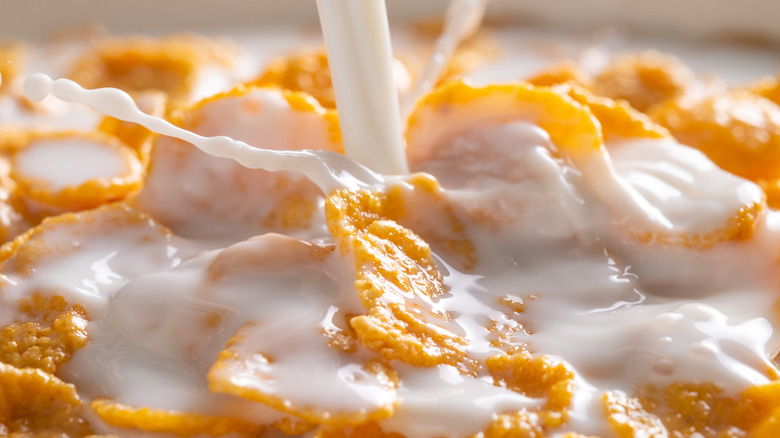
(357, 39)
(462, 20)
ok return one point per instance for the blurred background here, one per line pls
(757, 20)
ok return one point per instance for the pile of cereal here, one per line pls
(558, 263)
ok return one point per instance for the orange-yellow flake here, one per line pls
(34, 403)
(51, 332)
(695, 410)
(11, 60)
(619, 121)
(643, 79)
(42, 199)
(23, 254)
(768, 87)
(368, 430)
(233, 373)
(457, 107)
(422, 198)
(179, 423)
(738, 130)
(629, 419)
(145, 64)
(561, 73)
(395, 279)
(536, 377)
(307, 71)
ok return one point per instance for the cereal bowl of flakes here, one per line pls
(350, 219)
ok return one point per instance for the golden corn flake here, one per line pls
(768, 87)
(51, 333)
(368, 430)
(561, 73)
(366, 391)
(308, 72)
(35, 247)
(457, 107)
(643, 79)
(144, 64)
(422, 193)
(104, 171)
(738, 130)
(179, 423)
(395, 279)
(695, 409)
(629, 419)
(536, 377)
(11, 60)
(619, 121)
(35, 403)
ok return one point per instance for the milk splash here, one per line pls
(329, 171)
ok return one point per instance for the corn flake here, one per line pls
(457, 107)
(48, 338)
(35, 403)
(179, 423)
(643, 79)
(738, 130)
(366, 391)
(396, 279)
(308, 72)
(107, 172)
(619, 121)
(144, 64)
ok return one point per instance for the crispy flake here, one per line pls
(48, 339)
(395, 279)
(643, 79)
(35, 403)
(179, 423)
(243, 371)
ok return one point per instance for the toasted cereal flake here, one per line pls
(34, 403)
(365, 392)
(629, 419)
(25, 254)
(456, 108)
(536, 377)
(395, 279)
(53, 332)
(179, 423)
(140, 64)
(738, 130)
(306, 71)
(104, 171)
(11, 63)
(561, 73)
(447, 235)
(643, 79)
(368, 430)
(695, 410)
(195, 193)
(619, 121)
(768, 87)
